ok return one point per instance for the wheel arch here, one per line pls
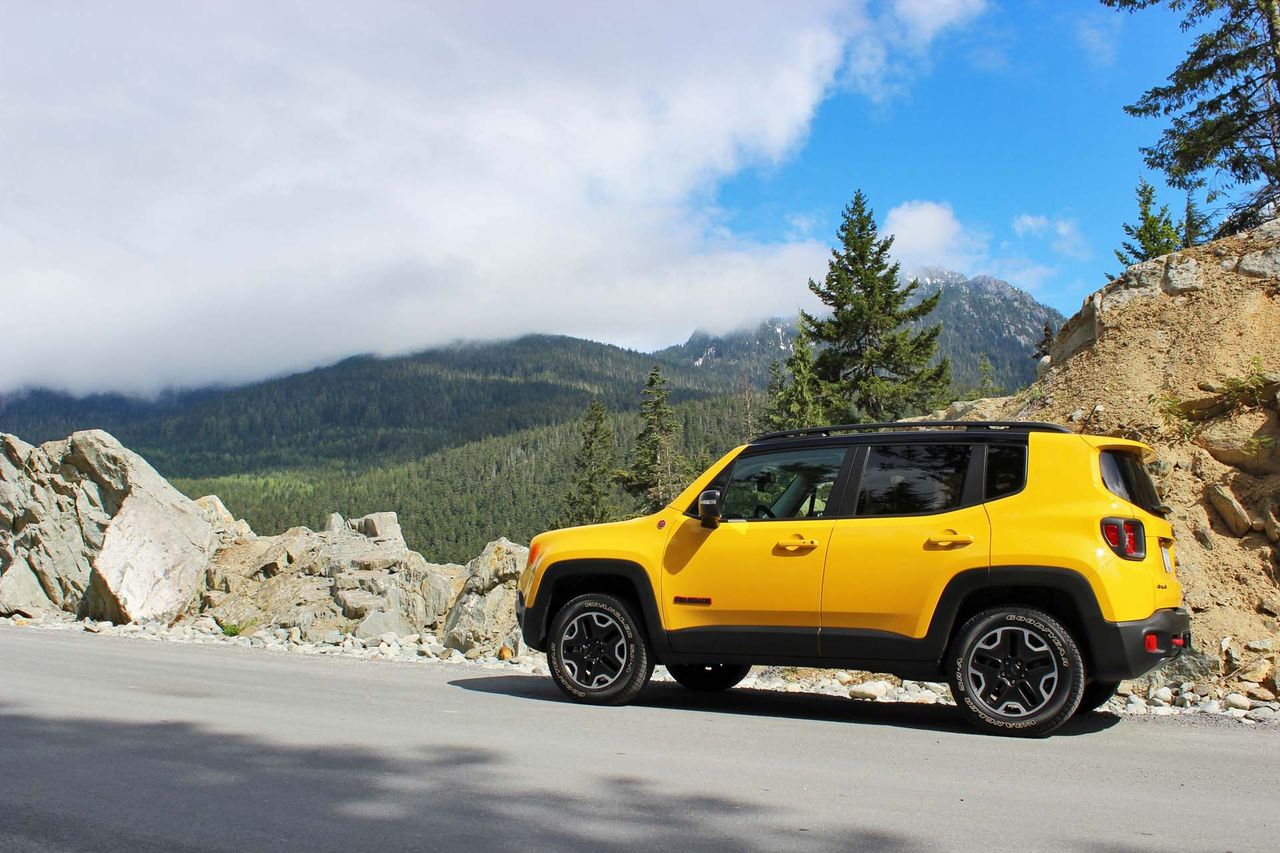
(1062, 593)
(566, 579)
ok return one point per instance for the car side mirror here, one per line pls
(709, 508)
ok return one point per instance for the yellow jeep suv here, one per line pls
(1029, 566)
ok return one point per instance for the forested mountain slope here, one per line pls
(364, 410)
(452, 501)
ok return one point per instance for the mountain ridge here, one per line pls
(368, 411)
(1006, 330)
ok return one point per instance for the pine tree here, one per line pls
(987, 385)
(589, 499)
(748, 405)
(656, 467)
(1046, 343)
(1153, 235)
(798, 401)
(1222, 103)
(1196, 225)
(870, 364)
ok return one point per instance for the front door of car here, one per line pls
(753, 584)
(915, 519)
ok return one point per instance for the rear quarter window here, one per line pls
(1006, 470)
(1126, 477)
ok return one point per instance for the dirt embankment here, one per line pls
(1183, 352)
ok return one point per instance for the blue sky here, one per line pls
(1016, 114)
(217, 193)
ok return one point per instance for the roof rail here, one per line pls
(1012, 426)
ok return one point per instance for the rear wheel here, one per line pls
(598, 653)
(1016, 671)
(708, 676)
(1096, 694)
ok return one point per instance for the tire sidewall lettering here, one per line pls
(1063, 650)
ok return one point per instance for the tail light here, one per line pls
(1125, 536)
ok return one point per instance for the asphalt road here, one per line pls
(108, 743)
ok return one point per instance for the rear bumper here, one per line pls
(1120, 649)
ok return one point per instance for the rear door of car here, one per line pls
(913, 518)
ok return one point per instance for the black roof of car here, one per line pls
(986, 428)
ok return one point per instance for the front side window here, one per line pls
(785, 484)
(909, 479)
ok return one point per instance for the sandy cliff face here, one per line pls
(1183, 352)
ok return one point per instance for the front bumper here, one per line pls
(1121, 650)
(528, 626)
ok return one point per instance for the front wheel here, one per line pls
(708, 676)
(1016, 671)
(598, 653)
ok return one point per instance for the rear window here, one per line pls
(1006, 470)
(909, 479)
(1126, 477)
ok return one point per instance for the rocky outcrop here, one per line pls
(1253, 254)
(484, 618)
(355, 577)
(88, 527)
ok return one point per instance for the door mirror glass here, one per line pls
(709, 508)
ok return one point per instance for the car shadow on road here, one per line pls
(775, 703)
(83, 784)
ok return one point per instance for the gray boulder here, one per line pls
(1261, 264)
(88, 527)
(1230, 509)
(358, 577)
(483, 618)
(1183, 275)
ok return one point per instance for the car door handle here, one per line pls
(802, 544)
(950, 537)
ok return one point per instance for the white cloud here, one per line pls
(1098, 35)
(1029, 223)
(928, 233)
(924, 19)
(892, 46)
(801, 226)
(1069, 241)
(1063, 234)
(196, 193)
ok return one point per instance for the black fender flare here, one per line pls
(1087, 619)
(578, 574)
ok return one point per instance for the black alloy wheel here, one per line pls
(1017, 671)
(598, 653)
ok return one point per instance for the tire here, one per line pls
(708, 677)
(598, 652)
(1015, 671)
(1096, 694)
